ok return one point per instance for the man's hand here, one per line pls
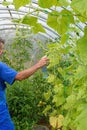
(43, 62)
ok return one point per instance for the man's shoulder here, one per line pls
(1, 63)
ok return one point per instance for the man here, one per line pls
(10, 75)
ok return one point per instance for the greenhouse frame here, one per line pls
(53, 96)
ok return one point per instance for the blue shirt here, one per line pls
(7, 74)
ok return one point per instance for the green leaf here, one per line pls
(38, 28)
(83, 17)
(82, 124)
(19, 3)
(30, 20)
(47, 95)
(79, 6)
(59, 90)
(81, 72)
(63, 3)
(81, 120)
(47, 3)
(58, 100)
(48, 107)
(50, 3)
(60, 21)
(51, 78)
(64, 38)
(82, 46)
(70, 101)
(81, 93)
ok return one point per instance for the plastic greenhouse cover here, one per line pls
(7, 13)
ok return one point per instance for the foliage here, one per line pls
(58, 19)
(25, 101)
(67, 73)
(68, 60)
(20, 3)
(78, 6)
(81, 45)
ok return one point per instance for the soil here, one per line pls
(44, 123)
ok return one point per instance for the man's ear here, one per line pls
(0, 52)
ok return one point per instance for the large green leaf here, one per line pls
(82, 46)
(60, 20)
(47, 3)
(47, 95)
(79, 6)
(82, 120)
(63, 3)
(70, 101)
(19, 3)
(83, 17)
(30, 20)
(38, 28)
(58, 100)
(81, 72)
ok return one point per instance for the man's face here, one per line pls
(1, 48)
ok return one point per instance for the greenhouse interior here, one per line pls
(51, 34)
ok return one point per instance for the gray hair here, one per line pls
(2, 41)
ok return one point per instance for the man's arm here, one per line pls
(28, 72)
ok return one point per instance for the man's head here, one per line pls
(1, 45)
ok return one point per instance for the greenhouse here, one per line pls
(43, 67)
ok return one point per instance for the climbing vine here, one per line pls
(68, 59)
